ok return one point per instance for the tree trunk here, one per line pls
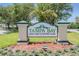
(16, 26)
(8, 26)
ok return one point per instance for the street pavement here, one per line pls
(73, 30)
(3, 31)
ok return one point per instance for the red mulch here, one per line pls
(39, 45)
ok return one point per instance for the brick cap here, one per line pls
(63, 22)
(22, 22)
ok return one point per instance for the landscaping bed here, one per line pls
(9, 46)
(40, 50)
(39, 45)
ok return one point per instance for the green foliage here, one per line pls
(74, 26)
(52, 13)
(16, 12)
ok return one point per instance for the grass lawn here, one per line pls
(8, 39)
(11, 38)
(42, 39)
(73, 38)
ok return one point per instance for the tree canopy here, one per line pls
(52, 13)
(14, 13)
(44, 12)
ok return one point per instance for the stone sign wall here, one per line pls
(42, 29)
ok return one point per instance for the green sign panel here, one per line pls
(42, 29)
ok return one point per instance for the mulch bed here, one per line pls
(39, 45)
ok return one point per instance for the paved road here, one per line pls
(73, 30)
(3, 31)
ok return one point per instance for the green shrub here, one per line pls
(59, 53)
(74, 26)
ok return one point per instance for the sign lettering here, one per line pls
(42, 29)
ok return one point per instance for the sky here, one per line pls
(71, 19)
(75, 12)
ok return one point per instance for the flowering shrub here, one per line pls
(66, 52)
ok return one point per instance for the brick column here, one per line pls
(23, 32)
(62, 33)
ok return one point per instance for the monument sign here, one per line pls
(42, 29)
